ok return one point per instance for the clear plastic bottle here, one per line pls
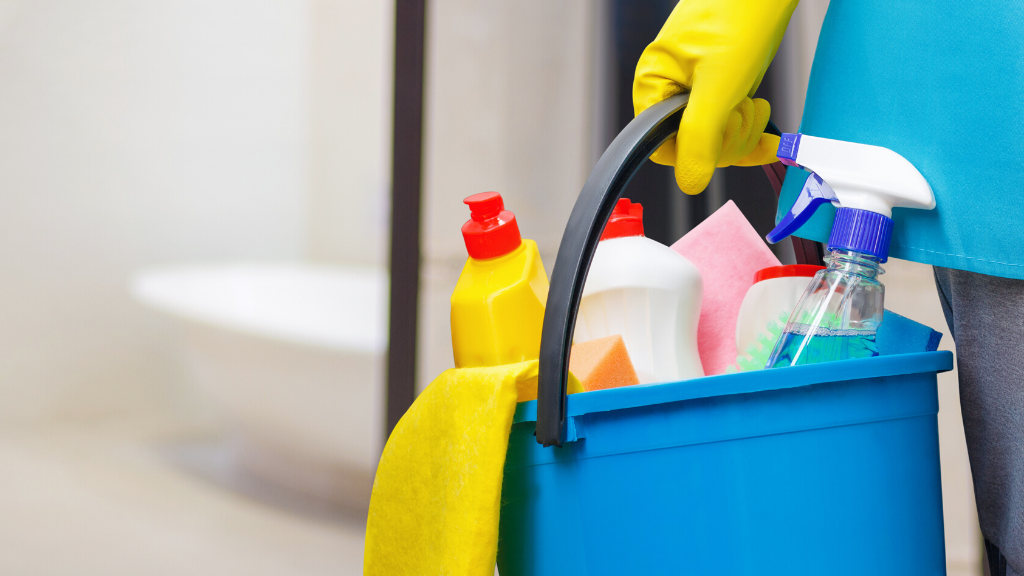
(838, 315)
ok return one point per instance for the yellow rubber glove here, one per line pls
(719, 51)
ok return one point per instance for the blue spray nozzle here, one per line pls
(814, 193)
(789, 147)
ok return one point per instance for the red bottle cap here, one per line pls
(627, 219)
(786, 271)
(491, 231)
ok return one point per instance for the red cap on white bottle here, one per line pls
(627, 219)
(786, 271)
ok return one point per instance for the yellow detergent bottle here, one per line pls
(498, 304)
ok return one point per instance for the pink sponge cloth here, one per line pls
(602, 363)
(728, 252)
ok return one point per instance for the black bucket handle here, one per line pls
(630, 149)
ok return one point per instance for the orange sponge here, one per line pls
(602, 363)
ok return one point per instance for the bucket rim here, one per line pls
(745, 383)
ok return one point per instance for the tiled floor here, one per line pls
(114, 499)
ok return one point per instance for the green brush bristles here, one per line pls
(756, 355)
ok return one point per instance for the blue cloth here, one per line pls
(901, 335)
(943, 85)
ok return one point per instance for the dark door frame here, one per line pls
(406, 185)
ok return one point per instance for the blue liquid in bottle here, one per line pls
(795, 348)
(838, 315)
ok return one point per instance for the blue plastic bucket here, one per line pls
(788, 471)
(827, 469)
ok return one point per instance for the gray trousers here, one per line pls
(985, 315)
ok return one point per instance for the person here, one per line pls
(940, 85)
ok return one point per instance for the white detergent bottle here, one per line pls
(838, 315)
(646, 292)
(775, 292)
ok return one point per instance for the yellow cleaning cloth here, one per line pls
(437, 493)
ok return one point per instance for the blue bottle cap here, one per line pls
(861, 231)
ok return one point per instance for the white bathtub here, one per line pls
(293, 356)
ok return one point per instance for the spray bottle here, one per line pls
(840, 311)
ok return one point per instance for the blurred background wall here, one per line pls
(142, 133)
(138, 133)
(350, 130)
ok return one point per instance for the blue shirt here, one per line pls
(943, 85)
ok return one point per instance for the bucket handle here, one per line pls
(637, 141)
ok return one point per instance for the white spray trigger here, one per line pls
(862, 176)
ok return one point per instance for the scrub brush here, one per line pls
(756, 355)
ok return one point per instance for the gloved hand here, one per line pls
(719, 51)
